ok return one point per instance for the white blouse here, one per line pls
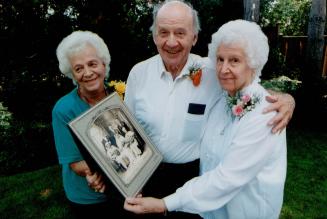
(243, 166)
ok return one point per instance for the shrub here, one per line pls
(5, 120)
(25, 145)
(282, 84)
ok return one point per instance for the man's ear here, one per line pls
(195, 39)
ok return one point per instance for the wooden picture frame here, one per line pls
(118, 144)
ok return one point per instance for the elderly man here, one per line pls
(172, 102)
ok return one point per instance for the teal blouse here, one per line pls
(76, 188)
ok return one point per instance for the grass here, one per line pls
(306, 182)
(39, 194)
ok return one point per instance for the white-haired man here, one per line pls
(170, 101)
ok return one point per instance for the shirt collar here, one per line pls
(185, 71)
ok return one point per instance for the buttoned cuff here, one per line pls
(172, 202)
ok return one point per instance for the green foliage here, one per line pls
(5, 120)
(282, 84)
(291, 16)
(26, 146)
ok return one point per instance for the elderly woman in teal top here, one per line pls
(84, 57)
(243, 165)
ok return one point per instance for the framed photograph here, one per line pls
(118, 144)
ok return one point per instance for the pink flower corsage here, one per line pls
(240, 104)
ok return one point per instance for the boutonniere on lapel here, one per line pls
(240, 104)
(195, 74)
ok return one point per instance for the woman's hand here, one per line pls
(284, 104)
(145, 205)
(95, 181)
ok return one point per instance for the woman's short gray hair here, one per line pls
(156, 8)
(77, 41)
(251, 37)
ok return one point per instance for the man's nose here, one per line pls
(172, 42)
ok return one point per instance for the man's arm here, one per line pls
(284, 104)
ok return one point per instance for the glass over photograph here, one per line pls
(122, 145)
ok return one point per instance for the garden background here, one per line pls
(30, 84)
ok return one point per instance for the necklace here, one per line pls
(92, 101)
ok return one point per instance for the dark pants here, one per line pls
(101, 210)
(111, 209)
(166, 179)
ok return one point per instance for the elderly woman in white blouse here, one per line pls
(243, 165)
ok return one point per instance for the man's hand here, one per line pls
(145, 205)
(284, 105)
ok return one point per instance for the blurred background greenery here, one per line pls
(30, 81)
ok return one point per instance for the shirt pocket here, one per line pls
(193, 127)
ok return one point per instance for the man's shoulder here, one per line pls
(141, 69)
(147, 62)
(208, 64)
(195, 56)
(205, 62)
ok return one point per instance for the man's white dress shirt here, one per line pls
(243, 166)
(161, 104)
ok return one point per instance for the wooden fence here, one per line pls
(293, 49)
